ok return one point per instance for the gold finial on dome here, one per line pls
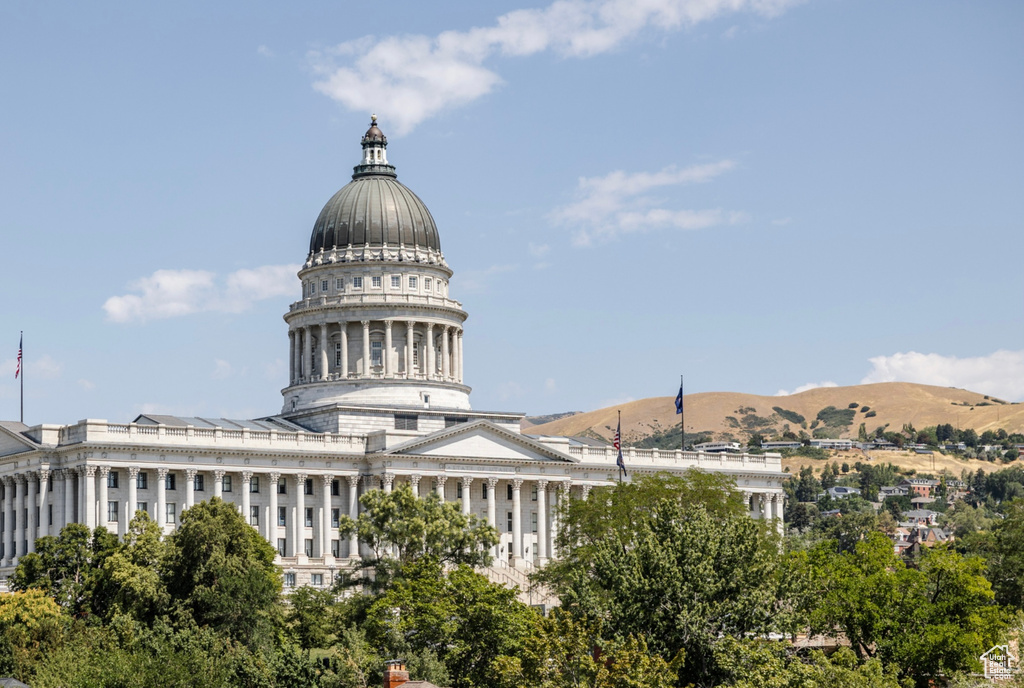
(373, 119)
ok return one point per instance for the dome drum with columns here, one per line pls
(375, 399)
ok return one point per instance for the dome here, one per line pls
(374, 210)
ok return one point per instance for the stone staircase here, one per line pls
(529, 593)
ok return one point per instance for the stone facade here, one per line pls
(375, 399)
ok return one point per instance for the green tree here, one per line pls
(221, 572)
(929, 622)
(311, 617)
(808, 487)
(30, 628)
(133, 571)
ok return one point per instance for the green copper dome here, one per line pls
(374, 209)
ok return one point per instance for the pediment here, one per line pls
(481, 440)
(13, 442)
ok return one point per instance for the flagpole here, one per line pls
(21, 351)
(619, 433)
(682, 416)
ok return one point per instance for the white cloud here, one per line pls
(221, 369)
(618, 203)
(413, 77)
(174, 293)
(264, 51)
(615, 401)
(804, 388)
(999, 374)
(549, 385)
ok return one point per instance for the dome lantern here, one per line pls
(375, 153)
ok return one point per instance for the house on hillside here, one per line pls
(892, 491)
(841, 445)
(925, 517)
(842, 492)
(786, 444)
(717, 447)
(920, 487)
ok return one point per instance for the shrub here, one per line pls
(870, 414)
(791, 416)
(853, 405)
(836, 418)
(865, 409)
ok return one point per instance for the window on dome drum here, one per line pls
(323, 286)
(254, 484)
(281, 544)
(141, 480)
(337, 354)
(112, 479)
(449, 421)
(406, 421)
(169, 482)
(377, 354)
(412, 282)
(357, 282)
(198, 485)
(396, 282)
(426, 283)
(439, 287)
(376, 281)
(225, 483)
(339, 284)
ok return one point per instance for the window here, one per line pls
(323, 286)
(254, 515)
(307, 547)
(438, 286)
(405, 421)
(449, 421)
(169, 483)
(375, 281)
(508, 491)
(254, 484)
(112, 479)
(396, 282)
(309, 517)
(289, 580)
(225, 483)
(357, 282)
(335, 517)
(533, 493)
(281, 486)
(458, 490)
(412, 282)
(508, 522)
(316, 580)
(308, 486)
(169, 516)
(281, 543)
(282, 515)
(376, 354)
(198, 484)
(426, 284)
(142, 480)
(142, 506)
(335, 488)
(483, 492)
(533, 521)
(112, 511)
(337, 355)
(339, 284)
(50, 511)
(335, 548)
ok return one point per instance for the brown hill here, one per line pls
(735, 416)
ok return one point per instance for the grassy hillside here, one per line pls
(823, 412)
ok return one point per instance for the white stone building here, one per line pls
(375, 398)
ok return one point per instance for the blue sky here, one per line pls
(761, 194)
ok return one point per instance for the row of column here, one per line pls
(445, 365)
(766, 505)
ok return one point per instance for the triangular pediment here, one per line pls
(480, 440)
(12, 441)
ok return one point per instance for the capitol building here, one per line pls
(375, 398)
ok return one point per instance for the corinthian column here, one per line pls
(292, 358)
(44, 513)
(458, 355)
(307, 353)
(190, 487)
(161, 497)
(386, 358)
(410, 328)
(542, 521)
(446, 369)
(271, 529)
(353, 513)
(366, 348)
(98, 507)
(33, 522)
(431, 363)
(324, 366)
(492, 485)
(246, 497)
(517, 521)
(440, 481)
(467, 490)
(325, 528)
(343, 340)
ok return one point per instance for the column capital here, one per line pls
(387, 324)
(542, 485)
(7, 480)
(301, 477)
(586, 490)
(190, 473)
(353, 480)
(467, 482)
(492, 483)
(133, 471)
(162, 472)
(327, 480)
(218, 473)
(246, 476)
(275, 478)
(441, 479)
(104, 471)
(44, 474)
(517, 483)
(387, 480)
(366, 324)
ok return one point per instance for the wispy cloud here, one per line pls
(42, 367)
(175, 293)
(619, 203)
(413, 77)
(264, 51)
(221, 369)
(804, 388)
(1000, 374)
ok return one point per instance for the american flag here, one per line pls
(17, 371)
(618, 448)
